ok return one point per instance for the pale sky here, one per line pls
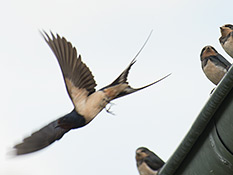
(107, 34)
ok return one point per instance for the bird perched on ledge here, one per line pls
(80, 85)
(226, 39)
(213, 64)
(148, 163)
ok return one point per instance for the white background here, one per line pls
(107, 34)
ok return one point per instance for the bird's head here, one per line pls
(142, 153)
(208, 51)
(226, 29)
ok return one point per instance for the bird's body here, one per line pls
(226, 39)
(213, 72)
(80, 85)
(213, 64)
(144, 169)
(148, 163)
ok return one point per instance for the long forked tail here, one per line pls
(122, 78)
(130, 90)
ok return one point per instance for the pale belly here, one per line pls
(145, 170)
(228, 47)
(94, 105)
(214, 73)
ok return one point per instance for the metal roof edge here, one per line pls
(199, 124)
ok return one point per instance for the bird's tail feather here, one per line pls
(130, 90)
(122, 78)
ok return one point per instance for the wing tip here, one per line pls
(46, 36)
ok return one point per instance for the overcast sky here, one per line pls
(107, 34)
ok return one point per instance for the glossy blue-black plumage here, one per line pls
(50, 133)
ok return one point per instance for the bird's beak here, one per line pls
(138, 156)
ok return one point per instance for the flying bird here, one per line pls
(213, 64)
(226, 39)
(80, 85)
(148, 163)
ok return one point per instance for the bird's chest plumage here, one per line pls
(93, 105)
(228, 46)
(213, 72)
(90, 106)
(145, 170)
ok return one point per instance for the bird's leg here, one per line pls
(108, 109)
(106, 101)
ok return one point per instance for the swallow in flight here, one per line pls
(226, 39)
(148, 163)
(80, 85)
(213, 64)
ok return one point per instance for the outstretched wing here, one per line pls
(40, 139)
(78, 78)
(50, 133)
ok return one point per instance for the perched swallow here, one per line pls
(213, 64)
(148, 163)
(226, 39)
(80, 85)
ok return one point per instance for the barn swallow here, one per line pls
(80, 85)
(226, 39)
(213, 64)
(148, 163)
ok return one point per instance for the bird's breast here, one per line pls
(146, 170)
(213, 72)
(228, 46)
(93, 105)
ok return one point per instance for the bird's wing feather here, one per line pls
(41, 138)
(49, 133)
(78, 77)
(154, 162)
(220, 60)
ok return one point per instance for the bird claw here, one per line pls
(108, 109)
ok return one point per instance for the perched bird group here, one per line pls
(214, 64)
